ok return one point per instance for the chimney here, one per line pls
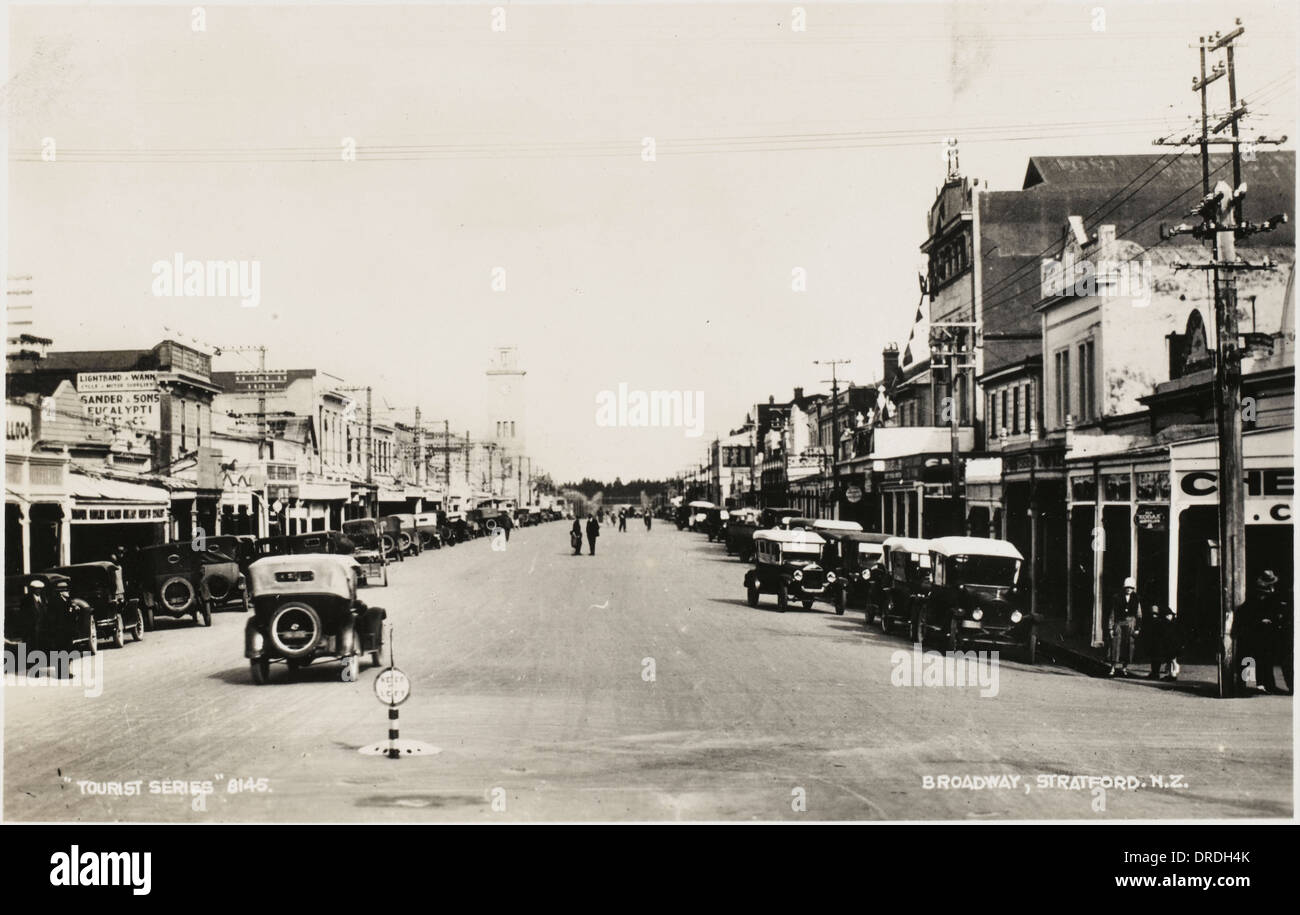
(798, 394)
(889, 358)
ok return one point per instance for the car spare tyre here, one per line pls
(177, 594)
(295, 629)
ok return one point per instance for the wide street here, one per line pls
(632, 685)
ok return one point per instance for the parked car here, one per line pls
(975, 596)
(851, 555)
(305, 607)
(739, 535)
(697, 514)
(457, 528)
(787, 564)
(406, 537)
(714, 523)
(310, 542)
(428, 527)
(771, 518)
(834, 524)
(242, 548)
(368, 550)
(100, 586)
(178, 580)
(906, 576)
(41, 613)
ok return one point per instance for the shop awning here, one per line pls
(392, 495)
(99, 500)
(983, 470)
(905, 441)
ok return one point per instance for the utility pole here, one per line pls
(419, 450)
(835, 428)
(948, 346)
(1221, 219)
(446, 459)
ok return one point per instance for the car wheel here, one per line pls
(1031, 647)
(954, 636)
(841, 602)
(177, 594)
(149, 622)
(751, 595)
(261, 670)
(119, 632)
(93, 632)
(782, 598)
(137, 631)
(203, 614)
(295, 629)
(884, 615)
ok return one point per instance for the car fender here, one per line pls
(254, 640)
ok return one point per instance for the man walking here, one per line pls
(622, 520)
(575, 535)
(1123, 626)
(646, 514)
(593, 531)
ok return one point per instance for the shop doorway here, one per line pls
(1269, 546)
(44, 523)
(1081, 566)
(1198, 579)
(1117, 551)
(13, 539)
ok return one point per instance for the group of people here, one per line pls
(593, 528)
(1261, 627)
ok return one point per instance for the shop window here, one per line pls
(1015, 410)
(1006, 416)
(1153, 486)
(1083, 489)
(1087, 398)
(1116, 487)
(1061, 381)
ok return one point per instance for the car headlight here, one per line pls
(798, 576)
(1016, 616)
(977, 615)
(830, 577)
(865, 574)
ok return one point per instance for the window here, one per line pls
(182, 425)
(1061, 382)
(1087, 390)
(1015, 410)
(1029, 406)
(1006, 416)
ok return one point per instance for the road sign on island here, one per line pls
(392, 687)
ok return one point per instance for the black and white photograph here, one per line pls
(649, 413)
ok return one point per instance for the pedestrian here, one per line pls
(575, 535)
(646, 515)
(593, 531)
(622, 521)
(1123, 625)
(1261, 625)
(1164, 635)
(507, 523)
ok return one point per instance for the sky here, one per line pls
(520, 155)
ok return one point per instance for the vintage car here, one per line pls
(457, 528)
(906, 564)
(975, 595)
(406, 537)
(714, 523)
(697, 514)
(310, 542)
(771, 518)
(100, 586)
(367, 550)
(787, 564)
(851, 555)
(428, 528)
(834, 524)
(41, 613)
(178, 579)
(739, 535)
(242, 548)
(305, 607)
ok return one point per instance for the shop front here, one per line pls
(983, 485)
(916, 495)
(1034, 520)
(109, 513)
(1193, 526)
(1118, 528)
(855, 498)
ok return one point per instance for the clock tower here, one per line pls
(505, 404)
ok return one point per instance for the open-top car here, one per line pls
(852, 556)
(178, 580)
(457, 528)
(740, 532)
(367, 550)
(787, 564)
(41, 612)
(906, 562)
(975, 595)
(305, 607)
(100, 586)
